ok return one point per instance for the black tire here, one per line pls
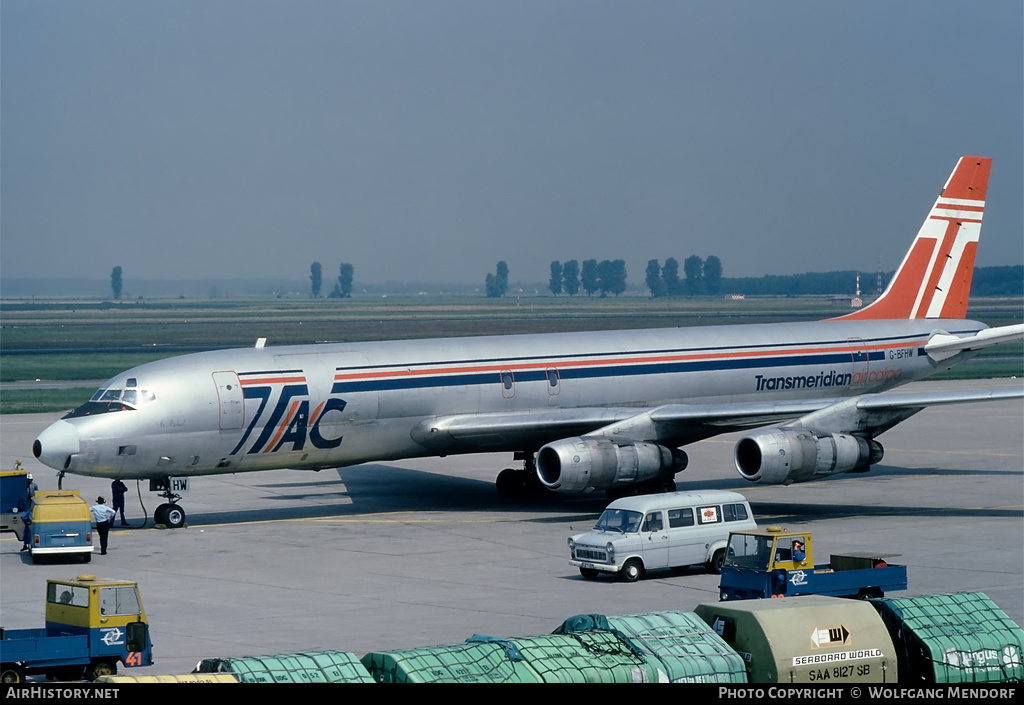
(509, 483)
(589, 573)
(870, 594)
(12, 673)
(632, 570)
(159, 514)
(97, 669)
(717, 561)
(174, 517)
(86, 558)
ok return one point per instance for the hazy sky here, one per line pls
(425, 140)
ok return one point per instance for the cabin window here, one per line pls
(552, 382)
(734, 512)
(653, 522)
(507, 384)
(709, 515)
(678, 518)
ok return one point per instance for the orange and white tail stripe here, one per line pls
(934, 279)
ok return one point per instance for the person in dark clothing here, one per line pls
(26, 530)
(118, 490)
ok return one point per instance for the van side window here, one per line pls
(709, 515)
(678, 518)
(653, 522)
(734, 512)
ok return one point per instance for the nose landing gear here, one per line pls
(170, 513)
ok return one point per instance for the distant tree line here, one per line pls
(342, 288)
(604, 277)
(701, 277)
(807, 284)
(998, 281)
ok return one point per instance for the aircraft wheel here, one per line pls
(717, 561)
(589, 573)
(160, 514)
(511, 483)
(632, 570)
(174, 517)
(12, 673)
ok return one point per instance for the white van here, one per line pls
(675, 529)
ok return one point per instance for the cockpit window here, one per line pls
(105, 401)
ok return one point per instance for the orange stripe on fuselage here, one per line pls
(563, 365)
(271, 380)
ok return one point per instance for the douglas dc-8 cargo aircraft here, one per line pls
(585, 411)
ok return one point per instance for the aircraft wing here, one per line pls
(677, 424)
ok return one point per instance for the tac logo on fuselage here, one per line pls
(283, 418)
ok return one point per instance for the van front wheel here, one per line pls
(717, 561)
(632, 570)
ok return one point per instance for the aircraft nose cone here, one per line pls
(56, 445)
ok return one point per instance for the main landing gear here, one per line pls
(513, 482)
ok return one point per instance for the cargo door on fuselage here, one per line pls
(229, 400)
(859, 354)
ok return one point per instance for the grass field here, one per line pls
(86, 341)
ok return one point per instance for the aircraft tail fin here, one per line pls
(934, 279)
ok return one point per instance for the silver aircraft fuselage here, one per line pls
(332, 405)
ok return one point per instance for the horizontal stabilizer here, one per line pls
(944, 345)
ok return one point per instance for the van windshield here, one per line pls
(620, 520)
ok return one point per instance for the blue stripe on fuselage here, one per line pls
(435, 379)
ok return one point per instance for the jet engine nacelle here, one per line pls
(782, 456)
(584, 464)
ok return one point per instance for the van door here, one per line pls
(685, 547)
(654, 540)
